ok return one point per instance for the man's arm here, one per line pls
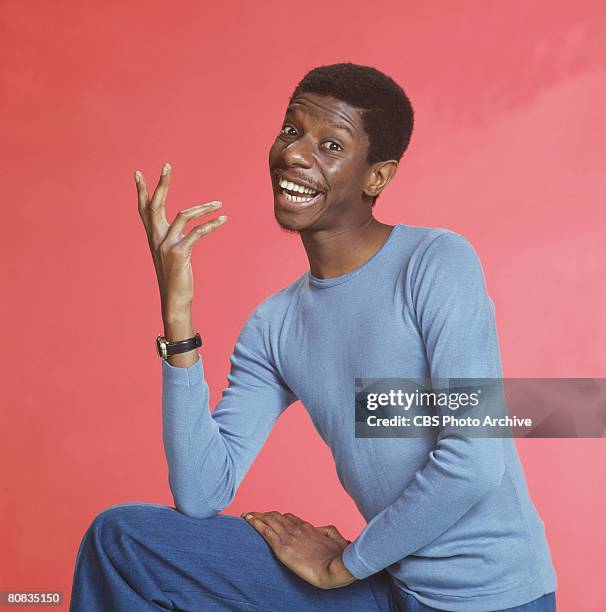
(455, 316)
(209, 454)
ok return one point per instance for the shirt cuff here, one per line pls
(354, 563)
(185, 377)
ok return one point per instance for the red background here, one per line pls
(508, 150)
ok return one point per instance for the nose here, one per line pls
(298, 153)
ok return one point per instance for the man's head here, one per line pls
(345, 129)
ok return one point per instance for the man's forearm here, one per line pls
(186, 416)
(209, 452)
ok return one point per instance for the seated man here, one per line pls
(450, 524)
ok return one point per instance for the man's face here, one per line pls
(321, 147)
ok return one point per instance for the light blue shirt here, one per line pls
(449, 517)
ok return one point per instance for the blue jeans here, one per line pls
(138, 556)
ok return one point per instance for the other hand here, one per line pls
(313, 553)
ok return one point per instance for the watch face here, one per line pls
(161, 347)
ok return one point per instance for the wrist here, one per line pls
(176, 312)
(338, 569)
(177, 350)
(176, 329)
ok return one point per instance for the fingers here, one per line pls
(185, 215)
(271, 525)
(155, 223)
(190, 239)
(157, 206)
(333, 533)
(142, 196)
(294, 518)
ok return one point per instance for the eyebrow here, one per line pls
(336, 126)
(342, 126)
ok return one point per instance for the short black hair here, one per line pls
(387, 113)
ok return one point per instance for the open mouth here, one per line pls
(297, 194)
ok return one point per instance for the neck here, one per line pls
(335, 251)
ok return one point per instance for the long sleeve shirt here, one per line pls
(449, 517)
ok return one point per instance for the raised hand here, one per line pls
(170, 249)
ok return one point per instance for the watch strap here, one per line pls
(167, 348)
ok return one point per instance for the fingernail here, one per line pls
(216, 203)
(165, 169)
(248, 516)
(222, 217)
(137, 176)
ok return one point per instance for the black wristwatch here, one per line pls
(166, 348)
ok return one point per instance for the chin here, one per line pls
(288, 226)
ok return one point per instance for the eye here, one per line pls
(285, 131)
(332, 142)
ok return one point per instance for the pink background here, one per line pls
(508, 150)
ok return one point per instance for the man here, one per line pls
(450, 524)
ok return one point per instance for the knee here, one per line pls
(115, 521)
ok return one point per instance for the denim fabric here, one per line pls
(138, 556)
(151, 557)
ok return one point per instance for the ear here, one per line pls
(379, 175)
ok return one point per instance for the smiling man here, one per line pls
(450, 523)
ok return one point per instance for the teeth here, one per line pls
(296, 187)
(297, 198)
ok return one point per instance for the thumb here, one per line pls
(333, 533)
